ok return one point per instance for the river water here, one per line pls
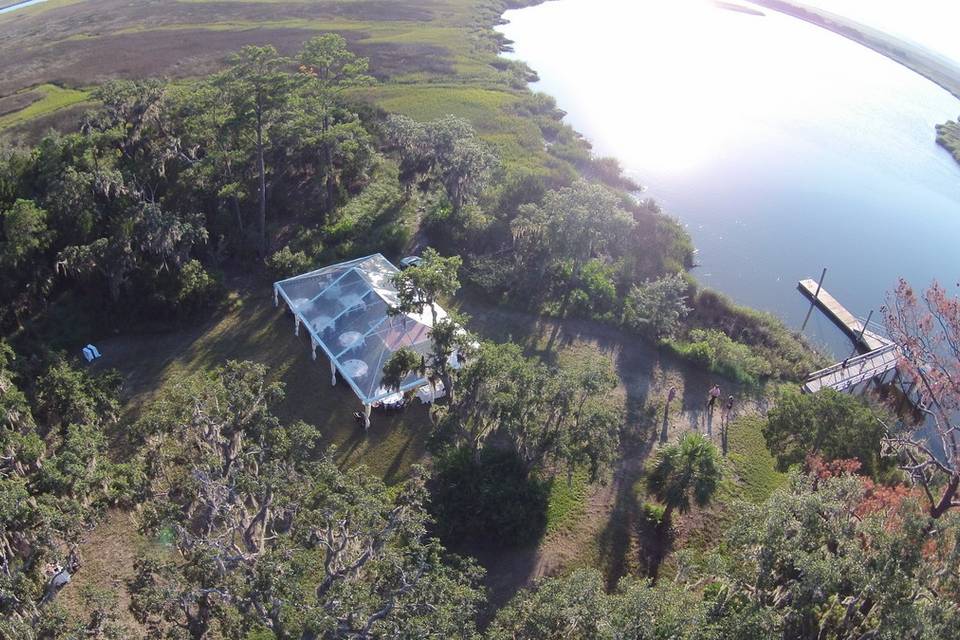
(782, 147)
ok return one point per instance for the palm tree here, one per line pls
(684, 471)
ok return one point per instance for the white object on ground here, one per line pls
(94, 351)
(88, 354)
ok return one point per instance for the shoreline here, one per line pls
(928, 64)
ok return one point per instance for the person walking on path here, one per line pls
(712, 397)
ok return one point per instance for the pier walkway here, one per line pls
(865, 339)
(879, 359)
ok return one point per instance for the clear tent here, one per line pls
(345, 308)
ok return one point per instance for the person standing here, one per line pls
(712, 397)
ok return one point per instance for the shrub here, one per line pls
(287, 263)
(657, 307)
(198, 288)
(828, 424)
(490, 501)
(653, 513)
(718, 352)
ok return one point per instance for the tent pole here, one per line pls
(333, 374)
(296, 324)
(366, 416)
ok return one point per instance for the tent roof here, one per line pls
(345, 308)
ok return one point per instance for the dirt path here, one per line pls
(606, 534)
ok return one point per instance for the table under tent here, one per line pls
(345, 308)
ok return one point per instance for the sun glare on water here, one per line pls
(718, 69)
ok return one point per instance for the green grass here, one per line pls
(751, 469)
(54, 98)
(517, 140)
(248, 327)
(567, 500)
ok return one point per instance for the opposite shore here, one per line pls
(916, 58)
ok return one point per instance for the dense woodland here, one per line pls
(274, 165)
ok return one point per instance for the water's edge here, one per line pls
(900, 51)
(20, 5)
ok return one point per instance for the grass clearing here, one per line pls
(53, 99)
(248, 327)
(517, 140)
(752, 473)
(567, 500)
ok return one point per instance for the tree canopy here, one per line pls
(272, 537)
(828, 424)
(685, 473)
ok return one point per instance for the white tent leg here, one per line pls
(313, 347)
(296, 325)
(333, 374)
(276, 297)
(366, 416)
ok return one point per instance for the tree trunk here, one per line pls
(667, 517)
(946, 499)
(262, 212)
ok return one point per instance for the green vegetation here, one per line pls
(683, 474)
(52, 98)
(829, 425)
(789, 568)
(753, 467)
(715, 351)
(657, 308)
(566, 500)
(948, 137)
(158, 225)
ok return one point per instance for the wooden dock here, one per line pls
(865, 340)
(851, 372)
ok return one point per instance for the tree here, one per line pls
(401, 364)
(827, 556)
(578, 607)
(449, 340)
(145, 237)
(552, 416)
(657, 307)
(683, 473)
(573, 225)
(273, 538)
(257, 89)
(840, 557)
(320, 126)
(424, 284)
(828, 424)
(24, 233)
(55, 481)
(926, 329)
(447, 151)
